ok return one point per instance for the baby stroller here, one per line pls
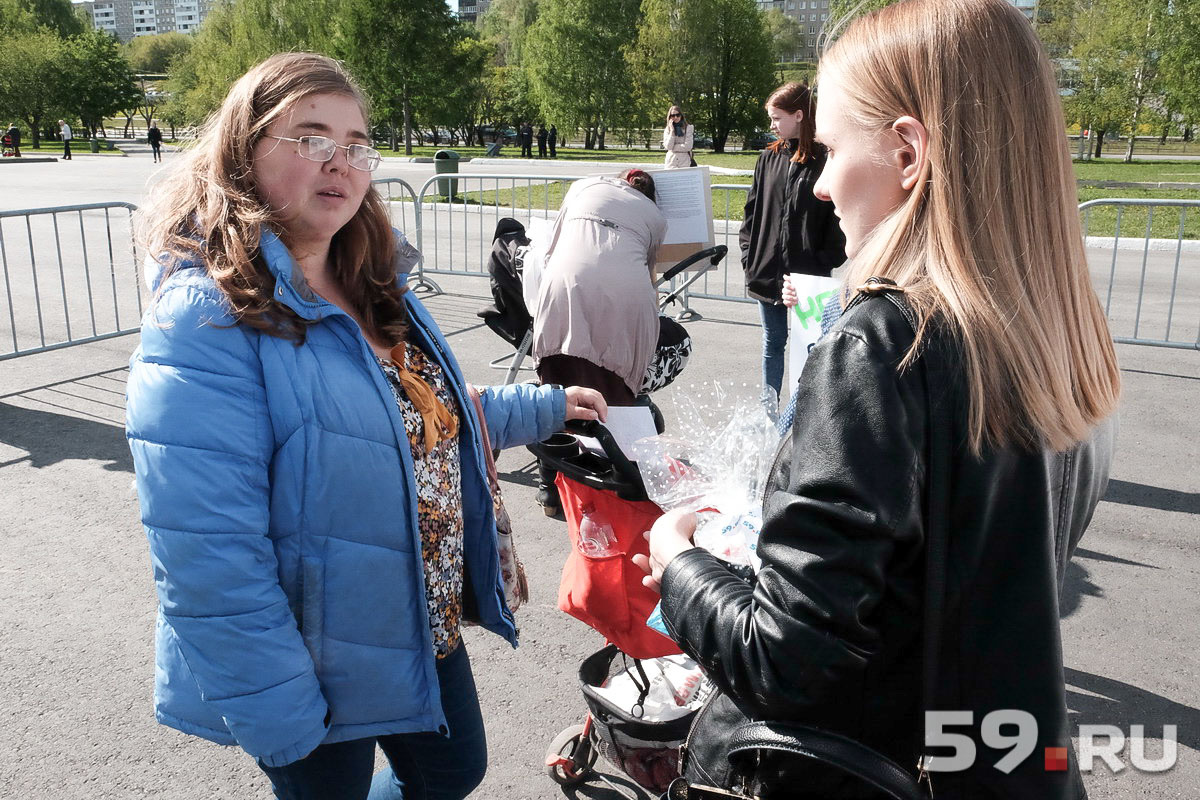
(8, 150)
(509, 317)
(605, 591)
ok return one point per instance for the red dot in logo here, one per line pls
(1056, 759)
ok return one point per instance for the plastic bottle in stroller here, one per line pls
(596, 537)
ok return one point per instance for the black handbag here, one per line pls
(803, 742)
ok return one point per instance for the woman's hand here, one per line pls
(670, 535)
(790, 298)
(584, 403)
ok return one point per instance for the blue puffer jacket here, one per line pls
(277, 492)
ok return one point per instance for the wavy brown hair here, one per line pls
(793, 97)
(989, 242)
(208, 210)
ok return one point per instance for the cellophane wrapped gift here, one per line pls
(714, 462)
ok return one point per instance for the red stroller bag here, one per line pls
(606, 592)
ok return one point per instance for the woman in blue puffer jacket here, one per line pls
(309, 465)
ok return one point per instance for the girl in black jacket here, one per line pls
(954, 435)
(785, 228)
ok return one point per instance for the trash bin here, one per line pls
(444, 162)
(95, 144)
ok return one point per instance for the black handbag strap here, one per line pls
(830, 749)
(833, 749)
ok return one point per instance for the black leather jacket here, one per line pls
(785, 228)
(830, 632)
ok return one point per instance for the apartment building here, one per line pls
(127, 19)
(1028, 7)
(471, 10)
(811, 16)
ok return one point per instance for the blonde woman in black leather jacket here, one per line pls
(996, 368)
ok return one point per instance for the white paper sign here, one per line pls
(684, 198)
(627, 424)
(804, 321)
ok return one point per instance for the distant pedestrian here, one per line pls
(553, 141)
(541, 136)
(678, 137)
(14, 139)
(65, 130)
(526, 140)
(154, 136)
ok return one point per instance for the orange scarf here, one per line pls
(439, 422)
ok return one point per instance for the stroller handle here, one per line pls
(712, 254)
(620, 475)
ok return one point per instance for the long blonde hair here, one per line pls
(990, 241)
(208, 209)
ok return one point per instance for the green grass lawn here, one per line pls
(78, 147)
(1153, 171)
(1102, 170)
(728, 204)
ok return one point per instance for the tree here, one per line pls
(98, 80)
(235, 37)
(505, 24)
(455, 99)
(786, 36)
(56, 16)
(153, 54)
(33, 101)
(15, 18)
(1116, 48)
(572, 60)
(1181, 61)
(398, 49)
(506, 93)
(720, 68)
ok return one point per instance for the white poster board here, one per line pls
(804, 321)
(685, 198)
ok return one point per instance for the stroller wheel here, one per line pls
(570, 757)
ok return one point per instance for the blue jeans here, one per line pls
(423, 766)
(775, 336)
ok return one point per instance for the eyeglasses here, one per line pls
(322, 148)
(675, 115)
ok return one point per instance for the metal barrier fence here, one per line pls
(70, 276)
(456, 237)
(728, 282)
(1150, 284)
(402, 203)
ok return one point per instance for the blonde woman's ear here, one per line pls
(913, 152)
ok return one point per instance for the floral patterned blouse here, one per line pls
(439, 502)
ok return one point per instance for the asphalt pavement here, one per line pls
(77, 599)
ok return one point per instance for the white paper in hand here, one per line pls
(627, 424)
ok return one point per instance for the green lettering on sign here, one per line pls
(810, 308)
